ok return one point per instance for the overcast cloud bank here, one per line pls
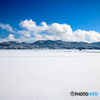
(31, 32)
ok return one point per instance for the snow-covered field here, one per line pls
(49, 74)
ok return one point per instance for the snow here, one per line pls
(49, 74)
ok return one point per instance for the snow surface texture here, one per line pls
(49, 74)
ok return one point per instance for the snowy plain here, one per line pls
(49, 74)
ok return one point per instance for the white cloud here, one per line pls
(7, 27)
(29, 39)
(11, 37)
(3, 40)
(87, 36)
(59, 29)
(32, 32)
(47, 37)
(62, 31)
(10, 29)
(24, 33)
(31, 26)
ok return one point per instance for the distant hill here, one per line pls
(49, 44)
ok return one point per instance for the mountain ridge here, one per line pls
(49, 44)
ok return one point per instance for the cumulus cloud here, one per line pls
(11, 37)
(55, 31)
(87, 36)
(31, 26)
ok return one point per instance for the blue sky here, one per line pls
(83, 17)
